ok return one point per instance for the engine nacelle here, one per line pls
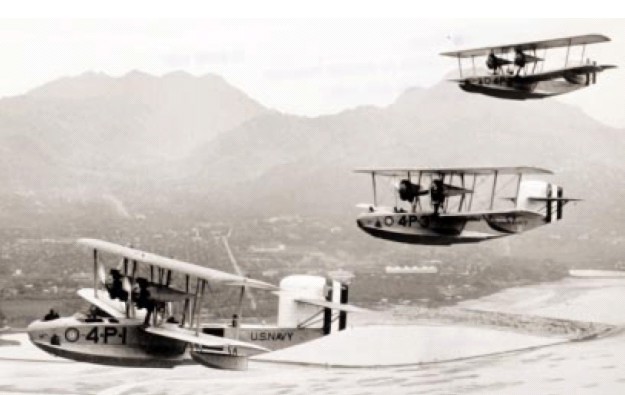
(520, 59)
(408, 191)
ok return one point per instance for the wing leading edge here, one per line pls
(531, 45)
(502, 170)
(190, 269)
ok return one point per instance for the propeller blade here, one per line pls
(126, 285)
(233, 261)
(452, 190)
(101, 273)
(238, 271)
(120, 265)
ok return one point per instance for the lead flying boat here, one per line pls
(149, 314)
(517, 71)
(445, 206)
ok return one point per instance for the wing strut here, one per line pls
(462, 196)
(418, 202)
(198, 305)
(492, 196)
(518, 191)
(473, 189)
(95, 272)
(568, 50)
(375, 194)
(185, 310)
(240, 312)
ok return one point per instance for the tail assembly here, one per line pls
(540, 196)
(314, 302)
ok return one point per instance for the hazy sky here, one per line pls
(301, 66)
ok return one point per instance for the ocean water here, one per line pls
(588, 367)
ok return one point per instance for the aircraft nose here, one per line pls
(34, 329)
(33, 326)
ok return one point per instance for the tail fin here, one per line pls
(539, 195)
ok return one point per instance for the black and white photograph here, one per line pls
(358, 198)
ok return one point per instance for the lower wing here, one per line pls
(203, 339)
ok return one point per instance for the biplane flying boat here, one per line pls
(444, 206)
(141, 318)
(516, 71)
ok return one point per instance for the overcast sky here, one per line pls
(301, 66)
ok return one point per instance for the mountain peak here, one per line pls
(179, 74)
(138, 75)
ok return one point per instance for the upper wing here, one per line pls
(394, 172)
(531, 45)
(175, 265)
(203, 339)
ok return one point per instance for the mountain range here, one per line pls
(183, 144)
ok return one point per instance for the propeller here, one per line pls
(244, 289)
(494, 62)
(521, 58)
(409, 192)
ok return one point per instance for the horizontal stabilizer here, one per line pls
(203, 339)
(252, 284)
(331, 305)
